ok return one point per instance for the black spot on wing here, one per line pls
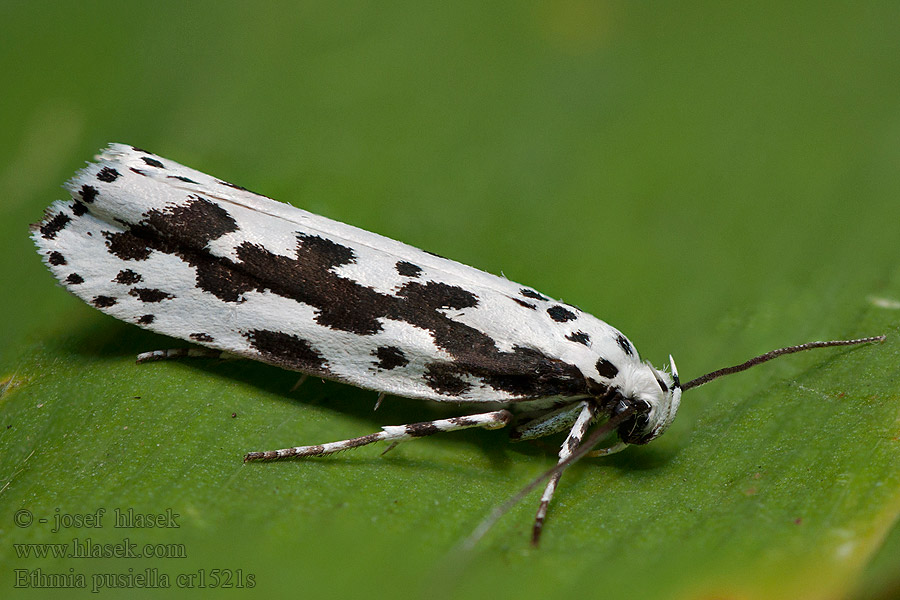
(201, 337)
(522, 373)
(88, 193)
(152, 162)
(579, 337)
(74, 279)
(192, 224)
(50, 227)
(221, 278)
(434, 295)
(390, 357)
(407, 269)
(183, 230)
(182, 178)
(79, 209)
(308, 278)
(127, 245)
(606, 368)
(445, 379)
(624, 344)
(146, 319)
(529, 293)
(103, 301)
(56, 259)
(561, 314)
(322, 252)
(521, 302)
(287, 350)
(127, 277)
(137, 171)
(107, 174)
(150, 294)
(526, 372)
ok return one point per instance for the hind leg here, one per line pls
(394, 433)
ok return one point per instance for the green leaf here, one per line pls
(713, 180)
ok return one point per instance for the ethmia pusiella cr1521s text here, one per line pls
(179, 252)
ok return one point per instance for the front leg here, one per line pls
(589, 412)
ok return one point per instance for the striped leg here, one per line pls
(396, 433)
(588, 413)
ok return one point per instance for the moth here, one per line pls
(182, 253)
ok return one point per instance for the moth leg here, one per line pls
(536, 425)
(393, 445)
(300, 382)
(172, 353)
(607, 451)
(589, 412)
(489, 420)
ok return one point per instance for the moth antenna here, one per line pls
(774, 354)
(580, 453)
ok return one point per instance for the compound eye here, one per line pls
(633, 430)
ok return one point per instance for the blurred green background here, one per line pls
(714, 179)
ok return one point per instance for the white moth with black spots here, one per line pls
(179, 252)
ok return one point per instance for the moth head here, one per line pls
(656, 395)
